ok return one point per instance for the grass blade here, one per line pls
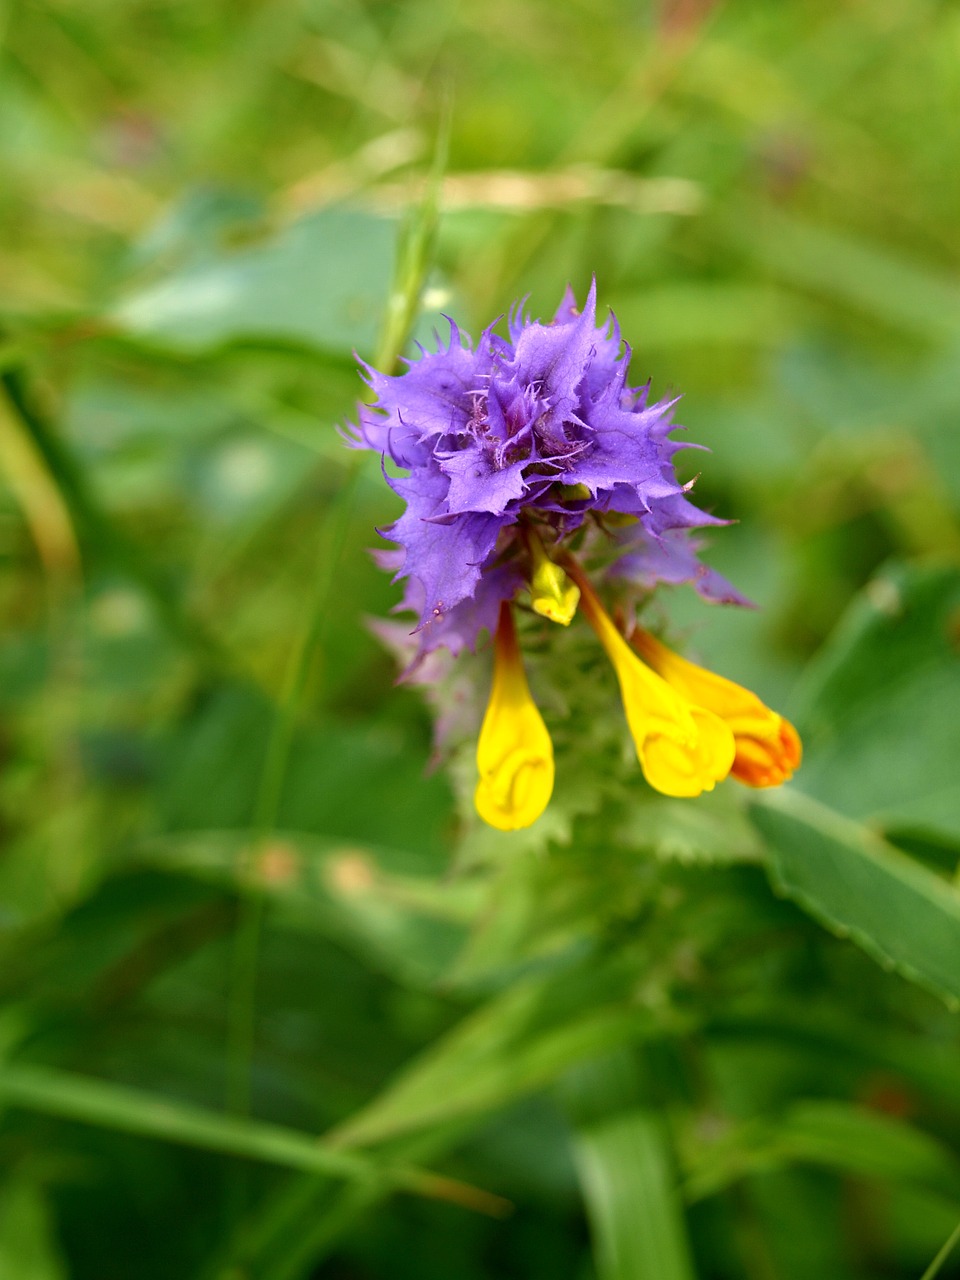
(135, 1111)
(936, 1265)
(632, 1201)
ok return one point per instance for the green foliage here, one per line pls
(626, 1176)
(890, 677)
(339, 259)
(275, 1004)
(905, 916)
(626, 1170)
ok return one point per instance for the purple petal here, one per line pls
(477, 485)
(672, 558)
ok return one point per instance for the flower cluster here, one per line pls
(512, 453)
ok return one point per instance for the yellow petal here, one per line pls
(683, 749)
(514, 751)
(552, 593)
(768, 748)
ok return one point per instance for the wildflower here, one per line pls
(509, 451)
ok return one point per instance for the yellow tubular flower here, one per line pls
(683, 748)
(514, 751)
(768, 746)
(552, 594)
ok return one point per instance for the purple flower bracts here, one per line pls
(538, 427)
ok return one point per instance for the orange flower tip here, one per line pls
(768, 749)
(768, 761)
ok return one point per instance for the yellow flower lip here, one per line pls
(552, 593)
(768, 748)
(514, 751)
(684, 749)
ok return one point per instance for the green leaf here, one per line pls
(629, 1186)
(832, 1134)
(878, 707)
(860, 887)
(626, 1167)
(321, 281)
(213, 762)
(713, 832)
(868, 1143)
(118, 1107)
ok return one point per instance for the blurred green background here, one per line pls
(649, 1040)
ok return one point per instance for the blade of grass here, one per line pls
(936, 1265)
(135, 1111)
(415, 252)
(631, 1199)
(39, 498)
(627, 1171)
(300, 1225)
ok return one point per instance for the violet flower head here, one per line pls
(514, 451)
(536, 430)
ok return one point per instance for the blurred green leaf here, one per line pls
(627, 1173)
(698, 314)
(410, 927)
(630, 1190)
(513, 1045)
(134, 1111)
(900, 913)
(212, 761)
(196, 225)
(833, 1134)
(868, 1143)
(320, 281)
(877, 708)
(880, 283)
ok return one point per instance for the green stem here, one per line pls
(412, 265)
(270, 792)
(411, 270)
